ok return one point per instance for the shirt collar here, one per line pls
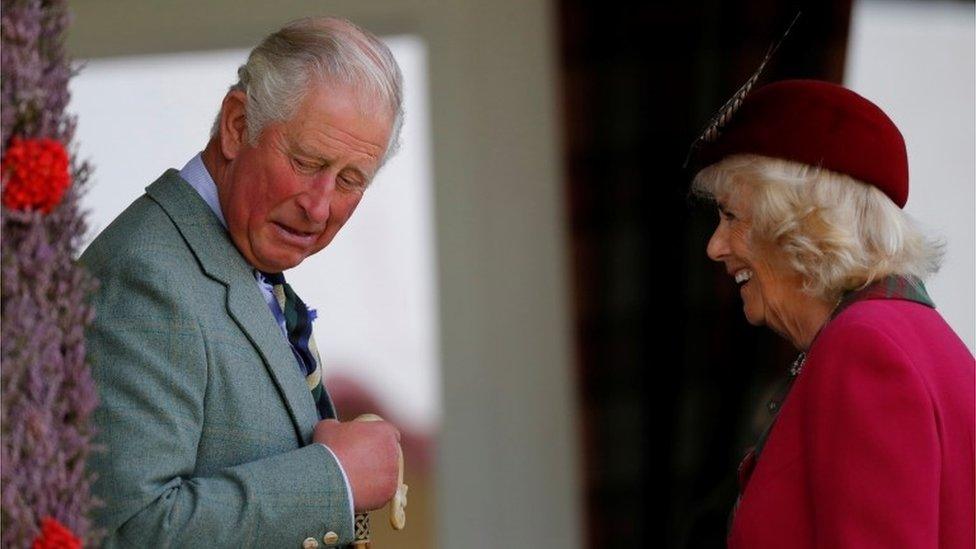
(195, 173)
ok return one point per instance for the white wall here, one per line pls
(916, 61)
(374, 286)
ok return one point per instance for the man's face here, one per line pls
(287, 197)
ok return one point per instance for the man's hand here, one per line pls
(367, 451)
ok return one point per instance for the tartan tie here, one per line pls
(298, 325)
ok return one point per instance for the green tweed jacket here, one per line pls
(205, 418)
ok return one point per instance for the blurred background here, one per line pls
(524, 289)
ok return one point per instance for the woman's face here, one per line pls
(768, 286)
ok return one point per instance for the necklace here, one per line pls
(797, 365)
(801, 358)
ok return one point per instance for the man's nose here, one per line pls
(718, 246)
(317, 200)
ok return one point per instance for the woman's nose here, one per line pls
(718, 246)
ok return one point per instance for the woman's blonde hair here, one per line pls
(838, 233)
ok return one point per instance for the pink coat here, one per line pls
(874, 447)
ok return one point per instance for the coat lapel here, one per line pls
(221, 260)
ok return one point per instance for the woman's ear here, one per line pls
(233, 124)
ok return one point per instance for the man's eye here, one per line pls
(350, 183)
(305, 166)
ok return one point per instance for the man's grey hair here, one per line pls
(281, 69)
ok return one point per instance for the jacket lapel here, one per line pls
(221, 260)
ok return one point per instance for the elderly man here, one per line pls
(216, 427)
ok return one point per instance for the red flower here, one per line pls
(35, 174)
(55, 536)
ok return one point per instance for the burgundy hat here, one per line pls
(819, 124)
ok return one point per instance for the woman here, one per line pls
(872, 443)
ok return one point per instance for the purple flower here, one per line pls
(47, 393)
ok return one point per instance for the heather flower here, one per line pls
(46, 392)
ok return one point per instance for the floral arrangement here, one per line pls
(55, 536)
(35, 174)
(47, 393)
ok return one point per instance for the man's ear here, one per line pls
(233, 124)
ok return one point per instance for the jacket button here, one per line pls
(331, 538)
(310, 543)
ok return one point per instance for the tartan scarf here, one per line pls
(298, 326)
(906, 288)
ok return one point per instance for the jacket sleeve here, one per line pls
(873, 445)
(150, 363)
